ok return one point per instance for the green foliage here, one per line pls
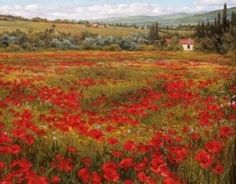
(153, 32)
(112, 47)
(218, 36)
(174, 44)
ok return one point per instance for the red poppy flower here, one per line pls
(10, 149)
(72, 149)
(170, 180)
(63, 164)
(117, 154)
(204, 159)
(177, 154)
(226, 132)
(214, 147)
(126, 163)
(84, 175)
(55, 179)
(86, 161)
(142, 177)
(130, 146)
(96, 178)
(218, 169)
(195, 136)
(4, 138)
(141, 165)
(112, 141)
(110, 172)
(23, 165)
(2, 165)
(127, 181)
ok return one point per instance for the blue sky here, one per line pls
(95, 2)
(94, 9)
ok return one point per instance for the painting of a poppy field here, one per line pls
(117, 117)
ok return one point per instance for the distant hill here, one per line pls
(11, 23)
(144, 20)
(165, 20)
(11, 17)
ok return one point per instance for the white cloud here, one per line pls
(205, 5)
(101, 11)
(215, 2)
(31, 7)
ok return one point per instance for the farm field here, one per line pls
(117, 117)
(78, 29)
(73, 29)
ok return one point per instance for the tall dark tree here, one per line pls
(219, 19)
(233, 19)
(219, 25)
(153, 32)
(156, 30)
(203, 30)
(224, 18)
(198, 31)
(215, 21)
(208, 28)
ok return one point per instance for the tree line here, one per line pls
(218, 35)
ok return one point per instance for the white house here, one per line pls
(187, 44)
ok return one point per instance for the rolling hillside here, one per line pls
(167, 20)
(74, 29)
(11, 24)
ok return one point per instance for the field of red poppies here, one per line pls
(117, 117)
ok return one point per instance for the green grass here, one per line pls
(78, 29)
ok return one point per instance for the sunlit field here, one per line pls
(117, 117)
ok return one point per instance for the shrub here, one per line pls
(112, 47)
(14, 48)
(147, 47)
(128, 45)
(174, 44)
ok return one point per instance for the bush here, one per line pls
(63, 44)
(51, 39)
(148, 47)
(112, 47)
(13, 48)
(232, 54)
(128, 45)
(174, 44)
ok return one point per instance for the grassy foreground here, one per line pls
(117, 117)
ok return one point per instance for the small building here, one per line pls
(94, 25)
(187, 44)
(98, 25)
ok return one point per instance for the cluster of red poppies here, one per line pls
(149, 135)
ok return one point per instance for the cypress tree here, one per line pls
(224, 18)
(219, 19)
(233, 19)
(153, 32)
(156, 30)
(219, 26)
(198, 31)
(203, 30)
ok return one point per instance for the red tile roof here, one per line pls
(186, 41)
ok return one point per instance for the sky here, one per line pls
(96, 9)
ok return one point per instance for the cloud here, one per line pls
(31, 7)
(208, 5)
(215, 2)
(99, 11)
